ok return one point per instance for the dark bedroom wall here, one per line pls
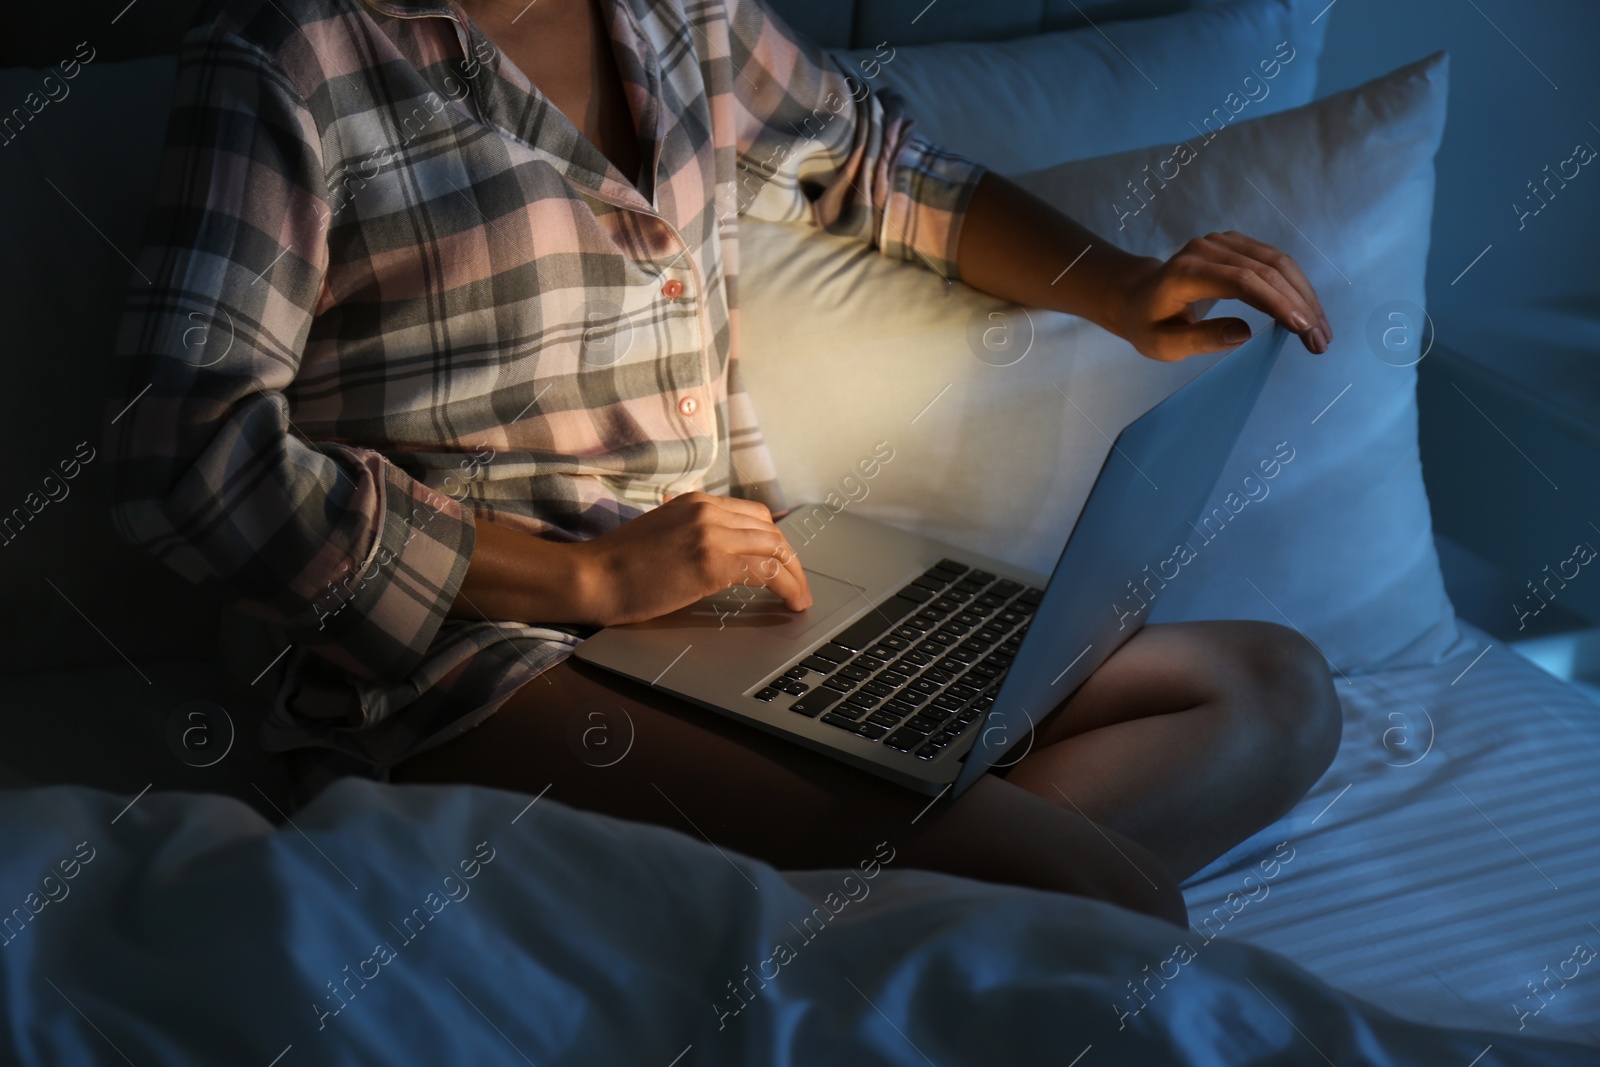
(1521, 96)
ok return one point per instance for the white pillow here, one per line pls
(1071, 94)
(844, 347)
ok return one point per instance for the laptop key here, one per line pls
(863, 700)
(840, 721)
(871, 731)
(851, 671)
(903, 740)
(916, 658)
(894, 679)
(877, 688)
(818, 664)
(817, 700)
(917, 593)
(797, 673)
(836, 652)
(981, 576)
(952, 566)
(934, 674)
(884, 718)
(932, 584)
(900, 708)
(793, 688)
(767, 694)
(866, 630)
(1006, 587)
(843, 685)
(849, 711)
(898, 640)
(952, 703)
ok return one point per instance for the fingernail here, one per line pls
(1235, 333)
(1299, 321)
(1327, 330)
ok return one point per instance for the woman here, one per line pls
(438, 372)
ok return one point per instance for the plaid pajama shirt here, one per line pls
(394, 292)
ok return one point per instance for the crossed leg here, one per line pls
(1190, 737)
(1192, 692)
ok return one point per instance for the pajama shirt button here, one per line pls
(688, 405)
(672, 290)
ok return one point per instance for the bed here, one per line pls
(1433, 900)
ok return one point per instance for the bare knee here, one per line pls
(1286, 699)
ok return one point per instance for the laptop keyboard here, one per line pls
(918, 671)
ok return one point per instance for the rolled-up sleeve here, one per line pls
(331, 543)
(815, 143)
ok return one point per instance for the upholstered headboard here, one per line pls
(41, 33)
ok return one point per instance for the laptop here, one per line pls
(928, 664)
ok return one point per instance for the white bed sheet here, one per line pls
(1447, 867)
(192, 933)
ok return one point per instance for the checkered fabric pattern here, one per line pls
(388, 291)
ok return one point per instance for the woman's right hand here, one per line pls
(689, 547)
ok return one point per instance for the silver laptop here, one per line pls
(928, 664)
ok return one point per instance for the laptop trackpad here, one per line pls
(755, 608)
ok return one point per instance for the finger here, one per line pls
(1223, 253)
(784, 556)
(1285, 264)
(1200, 276)
(754, 556)
(750, 508)
(791, 562)
(1180, 340)
(767, 572)
(748, 512)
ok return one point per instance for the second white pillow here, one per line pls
(1051, 97)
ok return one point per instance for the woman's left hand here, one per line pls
(1158, 299)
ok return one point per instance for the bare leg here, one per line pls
(1190, 737)
(717, 779)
